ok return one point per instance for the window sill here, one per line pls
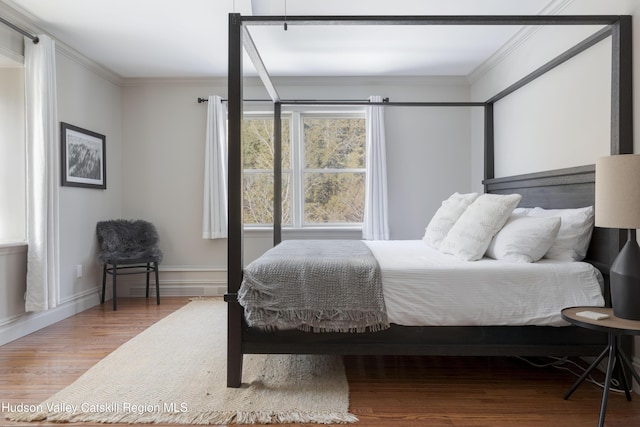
(306, 233)
(12, 247)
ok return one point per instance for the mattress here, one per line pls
(423, 287)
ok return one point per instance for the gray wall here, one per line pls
(163, 145)
(582, 100)
(90, 97)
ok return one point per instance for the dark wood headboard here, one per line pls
(565, 188)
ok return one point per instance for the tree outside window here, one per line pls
(334, 170)
(258, 149)
(323, 169)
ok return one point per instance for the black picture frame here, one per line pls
(83, 157)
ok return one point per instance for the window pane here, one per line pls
(257, 143)
(334, 143)
(333, 198)
(258, 198)
(13, 173)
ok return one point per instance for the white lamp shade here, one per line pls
(618, 191)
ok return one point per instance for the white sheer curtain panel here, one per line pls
(376, 222)
(43, 262)
(214, 215)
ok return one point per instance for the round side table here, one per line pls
(615, 327)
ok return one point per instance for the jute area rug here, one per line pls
(175, 372)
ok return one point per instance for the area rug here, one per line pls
(175, 372)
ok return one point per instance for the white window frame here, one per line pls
(297, 161)
(13, 156)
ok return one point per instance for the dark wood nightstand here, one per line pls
(615, 327)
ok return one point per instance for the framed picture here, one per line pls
(84, 159)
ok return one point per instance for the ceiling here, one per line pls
(188, 38)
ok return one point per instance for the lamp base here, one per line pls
(625, 281)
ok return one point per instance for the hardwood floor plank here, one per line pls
(389, 391)
(470, 391)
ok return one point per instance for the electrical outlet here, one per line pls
(79, 271)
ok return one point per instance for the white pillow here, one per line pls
(470, 236)
(445, 217)
(522, 211)
(574, 235)
(524, 238)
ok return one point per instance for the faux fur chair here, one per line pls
(128, 247)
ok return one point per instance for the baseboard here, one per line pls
(177, 290)
(174, 281)
(22, 325)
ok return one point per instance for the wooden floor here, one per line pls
(385, 391)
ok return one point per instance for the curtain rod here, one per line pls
(33, 38)
(304, 101)
(201, 100)
(385, 102)
(388, 103)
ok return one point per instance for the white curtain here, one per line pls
(43, 261)
(214, 215)
(376, 222)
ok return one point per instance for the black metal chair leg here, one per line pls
(104, 283)
(115, 273)
(155, 265)
(147, 292)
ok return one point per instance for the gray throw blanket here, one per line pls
(315, 285)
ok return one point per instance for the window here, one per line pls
(13, 211)
(257, 145)
(323, 168)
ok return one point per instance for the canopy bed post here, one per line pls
(621, 87)
(489, 171)
(277, 173)
(621, 121)
(235, 240)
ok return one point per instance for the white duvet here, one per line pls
(423, 287)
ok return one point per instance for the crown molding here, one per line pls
(371, 80)
(174, 81)
(514, 43)
(88, 64)
(255, 82)
(18, 16)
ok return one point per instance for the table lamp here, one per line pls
(618, 206)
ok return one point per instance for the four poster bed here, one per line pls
(566, 188)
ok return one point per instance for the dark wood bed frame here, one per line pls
(566, 188)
